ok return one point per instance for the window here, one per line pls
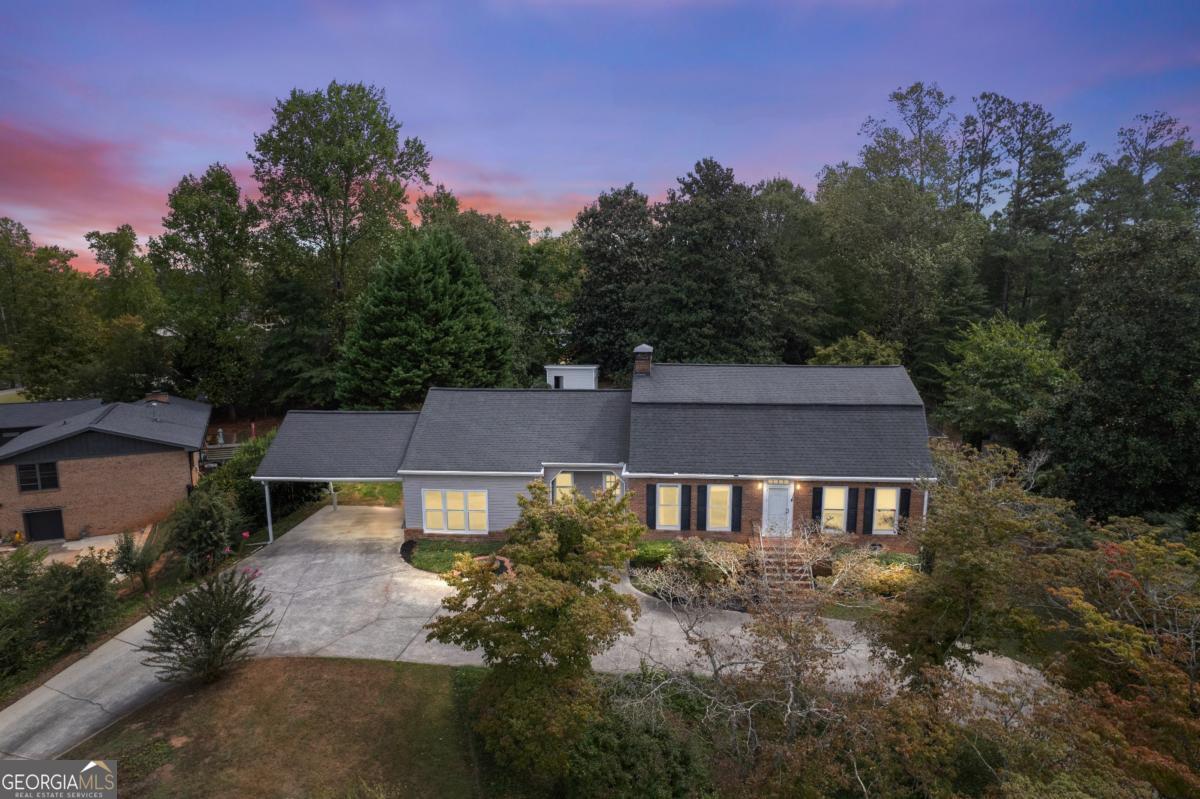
(37, 476)
(668, 507)
(720, 508)
(564, 485)
(886, 502)
(611, 481)
(449, 511)
(833, 509)
(558, 381)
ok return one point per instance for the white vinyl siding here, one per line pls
(455, 510)
(887, 500)
(720, 508)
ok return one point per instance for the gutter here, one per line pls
(804, 478)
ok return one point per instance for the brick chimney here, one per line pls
(158, 396)
(643, 359)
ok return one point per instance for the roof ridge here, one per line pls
(345, 410)
(787, 365)
(533, 390)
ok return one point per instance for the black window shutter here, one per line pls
(685, 507)
(735, 516)
(818, 497)
(852, 510)
(701, 507)
(905, 502)
(651, 502)
(869, 511)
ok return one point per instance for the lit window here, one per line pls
(833, 509)
(477, 511)
(611, 481)
(668, 507)
(456, 510)
(435, 518)
(448, 511)
(564, 485)
(720, 507)
(886, 502)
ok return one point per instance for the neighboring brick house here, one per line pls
(730, 452)
(107, 469)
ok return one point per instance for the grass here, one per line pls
(7, 398)
(438, 556)
(286, 727)
(371, 494)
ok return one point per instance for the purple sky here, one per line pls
(532, 107)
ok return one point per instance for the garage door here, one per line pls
(43, 525)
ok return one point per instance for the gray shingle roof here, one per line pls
(28, 415)
(795, 441)
(810, 421)
(517, 430)
(737, 384)
(178, 423)
(340, 445)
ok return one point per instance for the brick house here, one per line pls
(731, 452)
(106, 469)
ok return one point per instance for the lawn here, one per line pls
(438, 556)
(287, 727)
(371, 494)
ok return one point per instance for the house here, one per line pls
(103, 469)
(731, 452)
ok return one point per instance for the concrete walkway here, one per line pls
(339, 588)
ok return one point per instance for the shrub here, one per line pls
(711, 562)
(209, 629)
(131, 559)
(70, 603)
(617, 759)
(202, 528)
(651, 554)
(889, 580)
(233, 480)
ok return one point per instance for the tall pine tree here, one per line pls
(424, 319)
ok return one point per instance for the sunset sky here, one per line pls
(532, 107)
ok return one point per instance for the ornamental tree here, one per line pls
(540, 623)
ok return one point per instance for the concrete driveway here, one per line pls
(339, 587)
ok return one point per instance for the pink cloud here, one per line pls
(62, 185)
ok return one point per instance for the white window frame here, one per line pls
(708, 525)
(658, 506)
(895, 514)
(845, 508)
(466, 492)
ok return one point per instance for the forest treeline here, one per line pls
(1041, 295)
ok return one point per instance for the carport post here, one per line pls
(270, 526)
(333, 494)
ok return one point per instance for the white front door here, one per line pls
(777, 509)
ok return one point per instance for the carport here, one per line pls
(332, 447)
